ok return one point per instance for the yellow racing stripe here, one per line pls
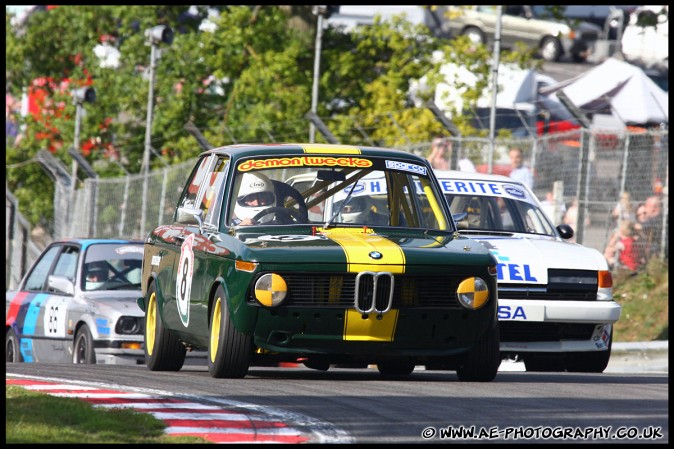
(337, 149)
(357, 244)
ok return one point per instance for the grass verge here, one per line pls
(644, 297)
(35, 418)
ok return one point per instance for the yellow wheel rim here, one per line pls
(215, 329)
(151, 323)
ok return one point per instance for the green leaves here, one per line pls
(247, 79)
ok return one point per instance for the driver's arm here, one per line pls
(244, 222)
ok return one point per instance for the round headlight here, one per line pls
(129, 325)
(473, 293)
(270, 289)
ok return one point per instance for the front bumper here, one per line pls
(558, 311)
(556, 326)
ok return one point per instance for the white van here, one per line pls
(647, 45)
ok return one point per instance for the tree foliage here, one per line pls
(248, 79)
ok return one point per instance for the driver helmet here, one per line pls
(97, 275)
(256, 194)
(357, 210)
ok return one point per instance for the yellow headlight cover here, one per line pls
(473, 293)
(270, 289)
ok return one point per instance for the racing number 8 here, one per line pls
(183, 282)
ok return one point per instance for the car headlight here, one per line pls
(270, 289)
(129, 325)
(473, 293)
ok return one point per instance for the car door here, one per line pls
(517, 27)
(166, 253)
(194, 245)
(39, 310)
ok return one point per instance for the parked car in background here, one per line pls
(610, 18)
(255, 270)
(556, 307)
(78, 304)
(535, 26)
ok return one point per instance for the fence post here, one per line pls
(582, 187)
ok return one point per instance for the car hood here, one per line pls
(527, 259)
(360, 248)
(122, 301)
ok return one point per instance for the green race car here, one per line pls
(328, 255)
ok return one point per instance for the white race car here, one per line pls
(556, 307)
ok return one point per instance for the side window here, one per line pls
(189, 197)
(37, 278)
(211, 201)
(66, 265)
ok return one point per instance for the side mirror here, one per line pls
(189, 215)
(60, 284)
(565, 231)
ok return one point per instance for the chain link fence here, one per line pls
(591, 168)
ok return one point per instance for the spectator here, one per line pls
(571, 218)
(519, 171)
(466, 165)
(555, 210)
(440, 153)
(623, 210)
(651, 225)
(623, 250)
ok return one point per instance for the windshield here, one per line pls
(335, 191)
(112, 266)
(495, 207)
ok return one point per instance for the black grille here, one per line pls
(338, 290)
(512, 331)
(528, 291)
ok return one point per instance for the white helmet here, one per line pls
(357, 210)
(256, 194)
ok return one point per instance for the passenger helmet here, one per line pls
(357, 210)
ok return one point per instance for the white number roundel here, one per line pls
(184, 279)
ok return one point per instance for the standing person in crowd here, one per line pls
(440, 153)
(571, 218)
(624, 250)
(554, 209)
(623, 210)
(651, 225)
(519, 171)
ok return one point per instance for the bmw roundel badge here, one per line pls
(375, 255)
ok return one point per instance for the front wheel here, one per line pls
(482, 362)
(163, 350)
(83, 349)
(588, 362)
(551, 49)
(229, 351)
(474, 35)
(12, 348)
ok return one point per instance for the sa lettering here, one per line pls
(508, 313)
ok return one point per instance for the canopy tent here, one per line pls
(617, 88)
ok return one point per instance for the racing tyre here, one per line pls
(481, 364)
(83, 349)
(544, 363)
(163, 350)
(396, 367)
(588, 362)
(229, 351)
(12, 349)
